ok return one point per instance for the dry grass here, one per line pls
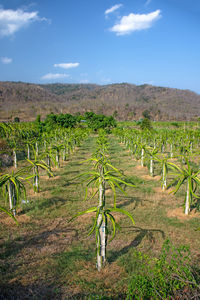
(179, 214)
(148, 177)
(31, 194)
(5, 220)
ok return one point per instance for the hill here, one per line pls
(125, 101)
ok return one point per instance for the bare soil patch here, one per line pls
(92, 190)
(55, 169)
(45, 177)
(148, 177)
(160, 190)
(108, 192)
(179, 214)
(140, 168)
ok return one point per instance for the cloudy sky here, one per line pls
(101, 41)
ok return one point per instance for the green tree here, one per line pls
(146, 114)
(145, 124)
(96, 122)
(16, 119)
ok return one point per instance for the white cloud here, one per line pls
(67, 65)
(112, 9)
(6, 60)
(53, 76)
(13, 20)
(147, 2)
(135, 22)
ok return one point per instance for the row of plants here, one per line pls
(177, 154)
(41, 151)
(101, 177)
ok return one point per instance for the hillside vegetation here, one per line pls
(124, 101)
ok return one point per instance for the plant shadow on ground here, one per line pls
(132, 200)
(142, 233)
(42, 204)
(39, 240)
(68, 261)
(72, 182)
(75, 164)
(38, 291)
(140, 184)
(69, 173)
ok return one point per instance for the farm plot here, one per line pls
(48, 257)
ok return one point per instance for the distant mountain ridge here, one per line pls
(125, 101)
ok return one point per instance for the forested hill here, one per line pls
(125, 101)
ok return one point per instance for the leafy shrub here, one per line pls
(92, 121)
(175, 124)
(165, 277)
(62, 120)
(145, 124)
(16, 119)
(96, 122)
(146, 113)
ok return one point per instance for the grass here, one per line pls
(48, 258)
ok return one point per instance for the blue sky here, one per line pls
(101, 41)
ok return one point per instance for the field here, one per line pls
(48, 257)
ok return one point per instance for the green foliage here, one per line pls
(35, 165)
(163, 277)
(16, 119)
(39, 126)
(189, 175)
(5, 129)
(62, 120)
(113, 179)
(103, 175)
(12, 188)
(145, 124)
(115, 114)
(38, 119)
(146, 114)
(96, 122)
(175, 124)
